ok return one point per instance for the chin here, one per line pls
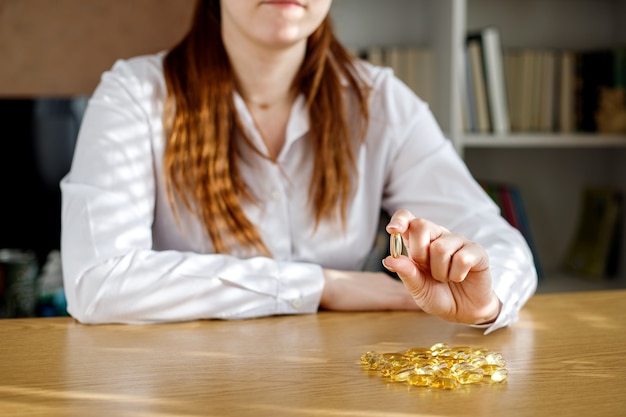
(285, 38)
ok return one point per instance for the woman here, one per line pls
(242, 173)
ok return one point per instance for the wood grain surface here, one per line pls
(565, 357)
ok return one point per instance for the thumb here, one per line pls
(414, 280)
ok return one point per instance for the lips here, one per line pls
(284, 3)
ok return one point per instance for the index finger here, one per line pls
(399, 222)
(419, 236)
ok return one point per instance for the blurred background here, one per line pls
(563, 175)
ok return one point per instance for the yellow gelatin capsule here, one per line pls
(490, 369)
(369, 358)
(418, 353)
(402, 374)
(395, 245)
(444, 383)
(478, 361)
(425, 370)
(470, 377)
(439, 366)
(459, 368)
(495, 359)
(438, 347)
(389, 358)
(464, 349)
(419, 380)
(499, 375)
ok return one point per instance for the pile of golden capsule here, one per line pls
(439, 366)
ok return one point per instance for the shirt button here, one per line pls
(276, 195)
(296, 302)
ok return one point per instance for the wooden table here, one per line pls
(566, 356)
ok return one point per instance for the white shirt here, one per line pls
(126, 260)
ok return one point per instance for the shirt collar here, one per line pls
(297, 125)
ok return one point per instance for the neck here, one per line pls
(265, 76)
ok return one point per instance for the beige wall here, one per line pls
(61, 47)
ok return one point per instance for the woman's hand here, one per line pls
(447, 274)
(364, 291)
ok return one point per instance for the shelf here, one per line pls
(544, 140)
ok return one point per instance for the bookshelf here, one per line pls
(435, 24)
(550, 169)
(545, 140)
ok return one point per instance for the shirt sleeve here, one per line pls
(111, 271)
(428, 177)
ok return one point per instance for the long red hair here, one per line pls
(201, 153)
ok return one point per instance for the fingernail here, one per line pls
(393, 225)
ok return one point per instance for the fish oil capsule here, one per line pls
(444, 383)
(388, 358)
(465, 349)
(445, 354)
(425, 370)
(439, 366)
(402, 374)
(438, 347)
(478, 361)
(499, 375)
(394, 367)
(459, 368)
(470, 377)
(419, 380)
(490, 369)
(421, 353)
(444, 373)
(369, 358)
(385, 369)
(495, 359)
(371, 361)
(395, 245)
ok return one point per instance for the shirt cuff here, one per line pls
(300, 288)
(296, 289)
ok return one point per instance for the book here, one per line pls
(479, 89)
(395, 58)
(417, 63)
(493, 69)
(468, 105)
(566, 91)
(412, 69)
(508, 198)
(547, 92)
(566, 107)
(512, 76)
(536, 90)
(527, 63)
(508, 206)
(610, 114)
(375, 55)
(524, 225)
(411, 64)
(594, 70)
(619, 67)
(425, 74)
(593, 248)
